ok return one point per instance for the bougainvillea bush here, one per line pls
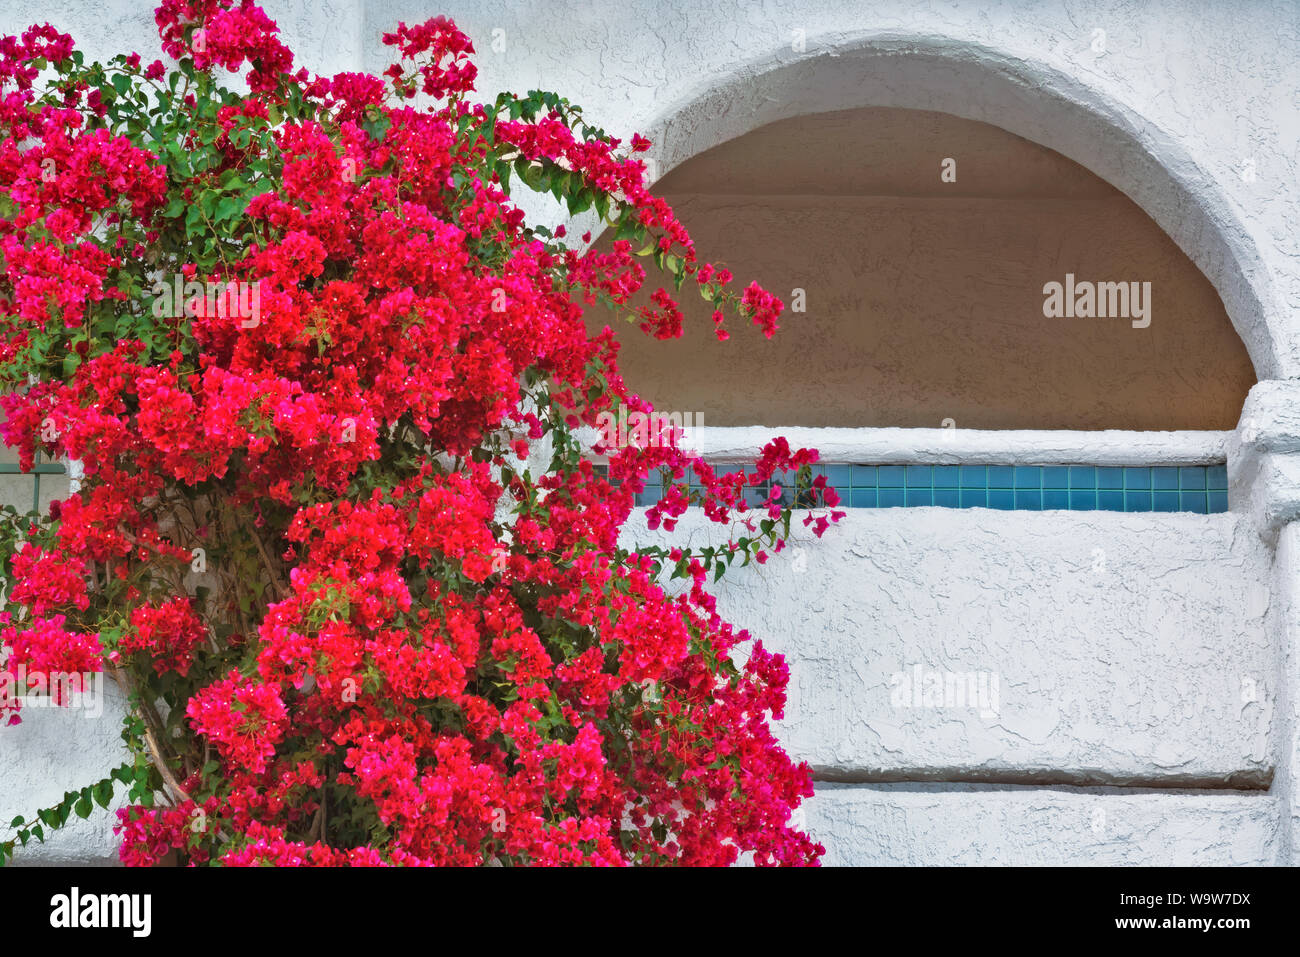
(339, 536)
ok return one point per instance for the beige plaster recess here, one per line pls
(925, 298)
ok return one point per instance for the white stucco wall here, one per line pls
(1114, 646)
(1124, 733)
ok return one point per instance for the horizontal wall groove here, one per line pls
(677, 196)
(1238, 781)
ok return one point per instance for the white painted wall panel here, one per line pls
(1131, 673)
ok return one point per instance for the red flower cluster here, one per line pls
(441, 37)
(168, 633)
(328, 391)
(211, 34)
(243, 719)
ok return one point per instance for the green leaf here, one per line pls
(377, 127)
(557, 182)
(532, 175)
(84, 807)
(229, 208)
(580, 201)
(193, 219)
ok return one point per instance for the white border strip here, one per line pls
(966, 446)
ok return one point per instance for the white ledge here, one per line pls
(966, 446)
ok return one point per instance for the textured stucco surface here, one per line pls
(55, 750)
(1120, 644)
(955, 825)
(1286, 579)
(1141, 667)
(969, 446)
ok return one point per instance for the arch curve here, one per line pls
(1029, 98)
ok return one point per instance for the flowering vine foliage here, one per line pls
(338, 536)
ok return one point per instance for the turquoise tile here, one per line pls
(1055, 476)
(863, 476)
(1163, 478)
(862, 498)
(1084, 500)
(974, 498)
(1083, 477)
(838, 476)
(1191, 479)
(890, 476)
(1137, 478)
(1001, 476)
(1218, 501)
(947, 497)
(1193, 502)
(1137, 501)
(890, 497)
(1029, 499)
(946, 476)
(1164, 501)
(1056, 498)
(1002, 498)
(1216, 476)
(1110, 500)
(920, 496)
(974, 476)
(1110, 478)
(1029, 476)
(919, 476)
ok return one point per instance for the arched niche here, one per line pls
(1029, 99)
(920, 244)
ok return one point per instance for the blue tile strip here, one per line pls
(1201, 488)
